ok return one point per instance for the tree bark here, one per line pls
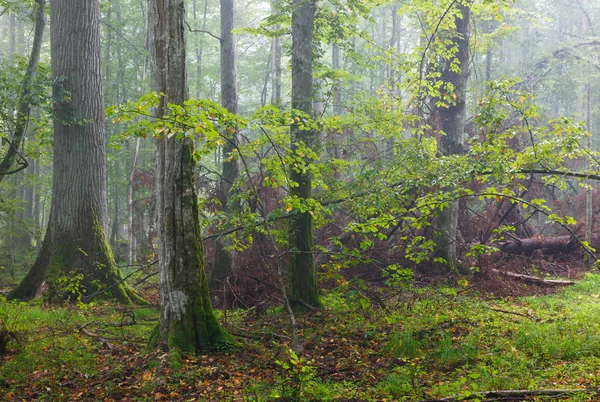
(452, 123)
(131, 255)
(224, 258)
(187, 323)
(302, 276)
(75, 257)
(276, 90)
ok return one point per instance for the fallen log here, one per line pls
(549, 244)
(535, 279)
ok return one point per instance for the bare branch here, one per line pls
(202, 31)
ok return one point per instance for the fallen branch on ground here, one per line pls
(499, 310)
(514, 395)
(535, 279)
(104, 341)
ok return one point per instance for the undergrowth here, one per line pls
(429, 343)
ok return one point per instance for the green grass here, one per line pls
(431, 343)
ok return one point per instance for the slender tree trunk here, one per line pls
(199, 47)
(268, 74)
(28, 206)
(276, 90)
(302, 276)
(333, 148)
(224, 258)
(36, 223)
(589, 194)
(12, 29)
(452, 122)
(132, 244)
(13, 155)
(187, 323)
(75, 250)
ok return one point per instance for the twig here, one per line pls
(144, 279)
(202, 31)
(90, 297)
(258, 335)
(104, 341)
(512, 312)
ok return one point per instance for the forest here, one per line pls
(299, 200)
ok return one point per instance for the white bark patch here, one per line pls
(179, 300)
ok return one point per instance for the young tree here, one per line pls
(75, 256)
(223, 265)
(187, 323)
(450, 119)
(302, 277)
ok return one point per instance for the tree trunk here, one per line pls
(589, 194)
(132, 244)
(12, 29)
(13, 155)
(302, 276)
(276, 90)
(199, 46)
(452, 122)
(187, 323)
(75, 257)
(35, 217)
(224, 258)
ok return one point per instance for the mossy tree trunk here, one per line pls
(302, 275)
(224, 258)
(75, 257)
(452, 123)
(187, 323)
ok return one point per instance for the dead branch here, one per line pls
(552, 244)
(258, 335)
(535, 279)
(499, 310)
(104, 341)
(513, 395)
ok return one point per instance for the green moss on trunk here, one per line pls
(72, 270)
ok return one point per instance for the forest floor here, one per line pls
(367, 344)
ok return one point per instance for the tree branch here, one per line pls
(202, 31)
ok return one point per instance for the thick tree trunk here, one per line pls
(187, 323)
(224, 258)
(75, 257)
(452, 123)
(302, 276)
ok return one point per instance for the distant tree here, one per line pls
(13, 155)
(75, 256)
(224, 258)
(187, 323)
(302, 276)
